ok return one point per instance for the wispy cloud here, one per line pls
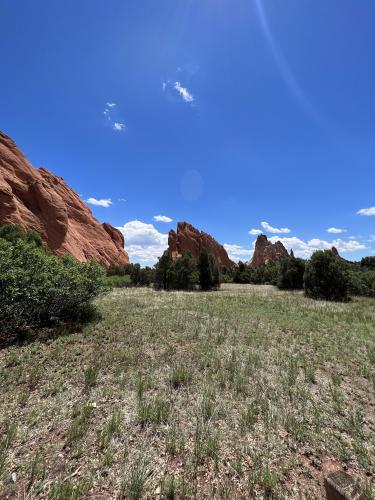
(172, 86)
(162, 218)
(184, 92)
(112, 117)
(369, 212)
(118, 126)
(255, 232)
(104, 202)
(269, 229)
(335, 230)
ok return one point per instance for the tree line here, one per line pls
(324, 276)
(184, 273)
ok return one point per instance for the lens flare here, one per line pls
(286, 72)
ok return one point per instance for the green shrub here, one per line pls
(368, 263)
(242, 274)
(13, 233)
(117, 281)
(183, 274)
(290, 273)
(119, 270)
(361, 283)
(141, 276)
(40, 289)
(324, 277)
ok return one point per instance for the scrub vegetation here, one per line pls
(243, 392)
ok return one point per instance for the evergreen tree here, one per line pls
(206, 278)
(242, 273)
(183, 274)
(368, 262)
(324, 277)
(135, 274)
(215, 273)
(162, 271)
(290, 273)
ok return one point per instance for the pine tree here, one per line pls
(209, 273)
(205, 270)
(183, 274)
(162, 271)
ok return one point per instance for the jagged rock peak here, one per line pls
(188, 238)
(266, 251)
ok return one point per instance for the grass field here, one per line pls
(242, 393)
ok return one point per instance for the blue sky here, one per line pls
(223, 113)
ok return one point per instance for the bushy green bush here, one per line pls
(263, 275)
(183, 273)
(118, 281)
(290, 273)
(119, 270)
(242, 273)
(361, 283)
(324, 277)
(368, 263)
(141, 276)
(40, 289)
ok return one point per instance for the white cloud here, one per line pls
(238, 252)
(118, 126)
(274, 230)
(255, 232)
(112, 117)
(162, 218)
(304, 249)
(105, 202)
(184, 93)
(143, 241)
(367, 211)
(335, 230)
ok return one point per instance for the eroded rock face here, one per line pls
(188, 238)
(266, 251)
(36, 199)
(335, 252)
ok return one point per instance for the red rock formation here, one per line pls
(335, 252)
(266, 252)
(190, 239)
(36, 199)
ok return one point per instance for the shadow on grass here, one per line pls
(45, 334)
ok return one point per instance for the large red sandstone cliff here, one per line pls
(266, 251)
(36, 199)
(190, 239)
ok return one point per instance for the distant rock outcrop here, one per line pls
(335, 251)
(36, 199)
(188, 238)
(266, 251)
